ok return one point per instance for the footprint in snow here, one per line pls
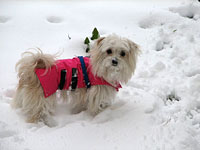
(4, 19)
(54, 19)
(190, 11)
(152, 20)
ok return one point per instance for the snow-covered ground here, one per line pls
(159, 109)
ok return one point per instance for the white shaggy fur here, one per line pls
(29, 95)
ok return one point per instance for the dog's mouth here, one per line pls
(113, 73)
(113, 68)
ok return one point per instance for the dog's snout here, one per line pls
(114, 62)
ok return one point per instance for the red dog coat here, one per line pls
(50, 78)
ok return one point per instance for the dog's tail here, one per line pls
(29, 62)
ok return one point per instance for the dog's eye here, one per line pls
(122, 53)
(109, 51)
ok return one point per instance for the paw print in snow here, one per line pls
(54, 19)
(190, 11)
(4, 19)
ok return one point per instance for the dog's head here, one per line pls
(114, 58)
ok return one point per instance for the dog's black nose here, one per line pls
(114, 62)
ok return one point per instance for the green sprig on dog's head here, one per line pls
(95, 35)
(87, 41)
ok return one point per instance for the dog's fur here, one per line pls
(30, 97)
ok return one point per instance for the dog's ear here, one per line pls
(134, 48)
(133, 54)
(99, 40)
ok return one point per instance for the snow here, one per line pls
(159, 108)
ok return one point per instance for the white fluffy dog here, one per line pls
(112, 59)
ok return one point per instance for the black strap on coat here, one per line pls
(62, 79)
(74, 79)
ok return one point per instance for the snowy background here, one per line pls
(159, 109)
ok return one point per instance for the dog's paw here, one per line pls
(49, 121)
(104, 105)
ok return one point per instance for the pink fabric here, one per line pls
(50, 79)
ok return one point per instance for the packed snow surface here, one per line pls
(159, 108)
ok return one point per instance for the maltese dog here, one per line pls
(89, 83)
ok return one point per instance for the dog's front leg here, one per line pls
(99, 98)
